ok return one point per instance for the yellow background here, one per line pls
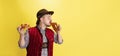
(89, 27)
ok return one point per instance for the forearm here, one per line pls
(21, 41)
(60, 40)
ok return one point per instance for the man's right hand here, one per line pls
(21, 29)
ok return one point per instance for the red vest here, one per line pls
(35, 42)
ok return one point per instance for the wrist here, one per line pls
(58, 32)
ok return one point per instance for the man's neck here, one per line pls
(42, 26)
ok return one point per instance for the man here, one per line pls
(38, 40)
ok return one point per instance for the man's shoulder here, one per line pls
(32, 28)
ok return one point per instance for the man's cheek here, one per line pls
(49, 23)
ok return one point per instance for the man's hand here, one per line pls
(56, 27)
(21, 29)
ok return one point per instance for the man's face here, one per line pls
(46, 19)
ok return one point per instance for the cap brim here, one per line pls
(50, 12)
